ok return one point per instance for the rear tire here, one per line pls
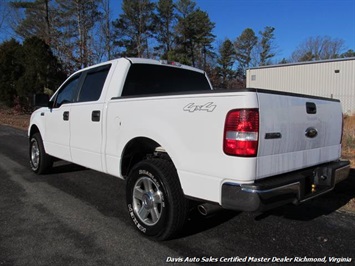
(40, 161)
(155, 201)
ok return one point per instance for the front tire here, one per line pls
(40, 161)
(155, 201)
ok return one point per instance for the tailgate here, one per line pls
(296, 131)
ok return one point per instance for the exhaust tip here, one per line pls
(207, 208)
(202, 210)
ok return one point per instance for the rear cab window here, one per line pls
(147, 79)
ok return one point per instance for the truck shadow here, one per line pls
(60, 167)
(107, 194)
(324, 205)
(340, 199)
(197, 223)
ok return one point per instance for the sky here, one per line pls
(294, 20)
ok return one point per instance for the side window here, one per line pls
(67, 93)
(93, 84)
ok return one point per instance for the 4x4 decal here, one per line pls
(192, 107)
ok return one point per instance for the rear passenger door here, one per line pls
(86, 117)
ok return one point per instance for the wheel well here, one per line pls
(137, 150)
(34, 129)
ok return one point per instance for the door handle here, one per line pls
(66, 116)
(95, 116)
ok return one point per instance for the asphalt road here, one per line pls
(76, 216)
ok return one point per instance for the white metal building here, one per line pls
(328, 78)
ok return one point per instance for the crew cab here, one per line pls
(162, 128)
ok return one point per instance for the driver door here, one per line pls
(57, 138)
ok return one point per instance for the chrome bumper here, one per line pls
(295, 187)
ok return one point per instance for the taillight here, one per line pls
(241, 133)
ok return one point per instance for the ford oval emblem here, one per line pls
(311, 132)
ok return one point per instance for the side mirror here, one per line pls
(50, 104)
(40, 100)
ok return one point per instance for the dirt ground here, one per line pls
(11, 118)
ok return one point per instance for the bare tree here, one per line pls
(318, 48)
(3, 13)
(75, 31)
(106, 28)
(36, 20)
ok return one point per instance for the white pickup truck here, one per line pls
(174, 140)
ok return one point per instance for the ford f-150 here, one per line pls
(175, 140)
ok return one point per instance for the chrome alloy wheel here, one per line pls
(35, 154)
(147, 201)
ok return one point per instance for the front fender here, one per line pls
(37, 123)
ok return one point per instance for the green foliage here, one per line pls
(225, 63)
(194, 36)
(185, 8)
(41, 68)
(164, 31)
(267, 36)
(10, 70)
(134, 27)
(244, 46)
(79, 33)
(348, 53)
(27, 69)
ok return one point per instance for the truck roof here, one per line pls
(135, 60)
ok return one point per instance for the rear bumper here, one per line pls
(295, 187)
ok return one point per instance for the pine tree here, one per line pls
(10, 70)
(225, 63)
(194, 35)
(185, 8)
(134, 28)
(244, 46)
(41, 69)
(27, 69)
(267, 36)
(164, 31)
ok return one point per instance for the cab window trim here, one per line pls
(78, 77)
(84, 74)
